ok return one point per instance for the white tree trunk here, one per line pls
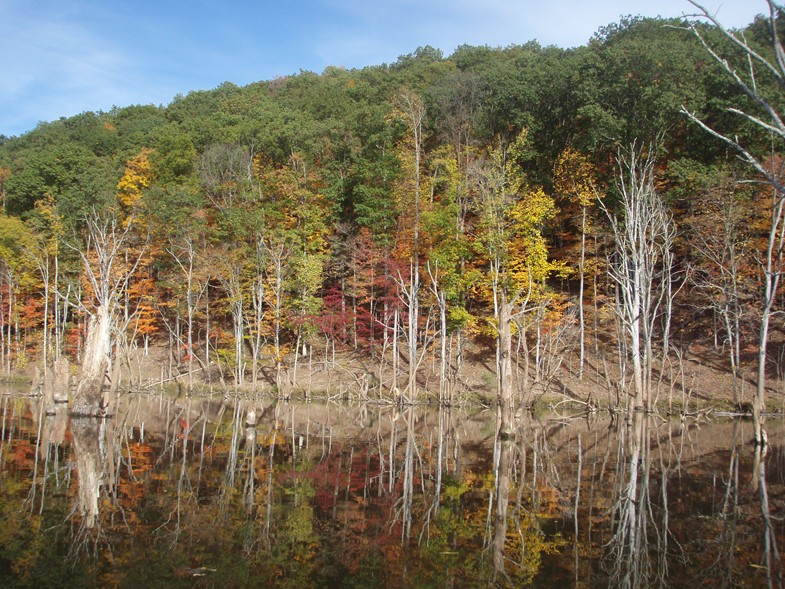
(95, 363)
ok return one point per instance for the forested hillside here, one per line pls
(408, 214)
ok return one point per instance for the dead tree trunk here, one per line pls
(57, 384)
(108, 277)
(95, 363)
(643, 232)
(506, 391)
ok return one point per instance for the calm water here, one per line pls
(172, 493)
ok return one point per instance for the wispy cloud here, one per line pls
(52, 64)
(57, 63)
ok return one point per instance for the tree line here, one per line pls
(530, 200)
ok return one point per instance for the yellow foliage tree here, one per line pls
(511, 217)
(138, 176)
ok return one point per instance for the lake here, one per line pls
(226, 491)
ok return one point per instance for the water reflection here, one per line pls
(90, 466)
(250, 491)
(504, 471)
(634, 516)
(771, 555)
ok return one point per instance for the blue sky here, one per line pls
(63, 57)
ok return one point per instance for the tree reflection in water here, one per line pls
(94, 448)
(255, 492)
(632, 514)
(504, 466)
(771, 555)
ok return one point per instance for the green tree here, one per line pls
(449, 252)
(76, 178)
(174, 158)
(633, 78)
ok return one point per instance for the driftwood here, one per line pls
(57, 385)
(49, 392)
(62, 380)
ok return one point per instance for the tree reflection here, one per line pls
(330, 495)
(85, 434)
(407, 488)
(772, 562)
(53, 432)
(517, 542)
(505, 450)
(632, 512)
(722, 567)
(94, 449)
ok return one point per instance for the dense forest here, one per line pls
(533, 208)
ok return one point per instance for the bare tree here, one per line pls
(274, 254)
(229, 273)
(108, 276)
(184, 253)
(258, 285)
(643, 232)
(411, 110)
(767, 118)
(226, 171)
(721, 249)
(440, 295)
